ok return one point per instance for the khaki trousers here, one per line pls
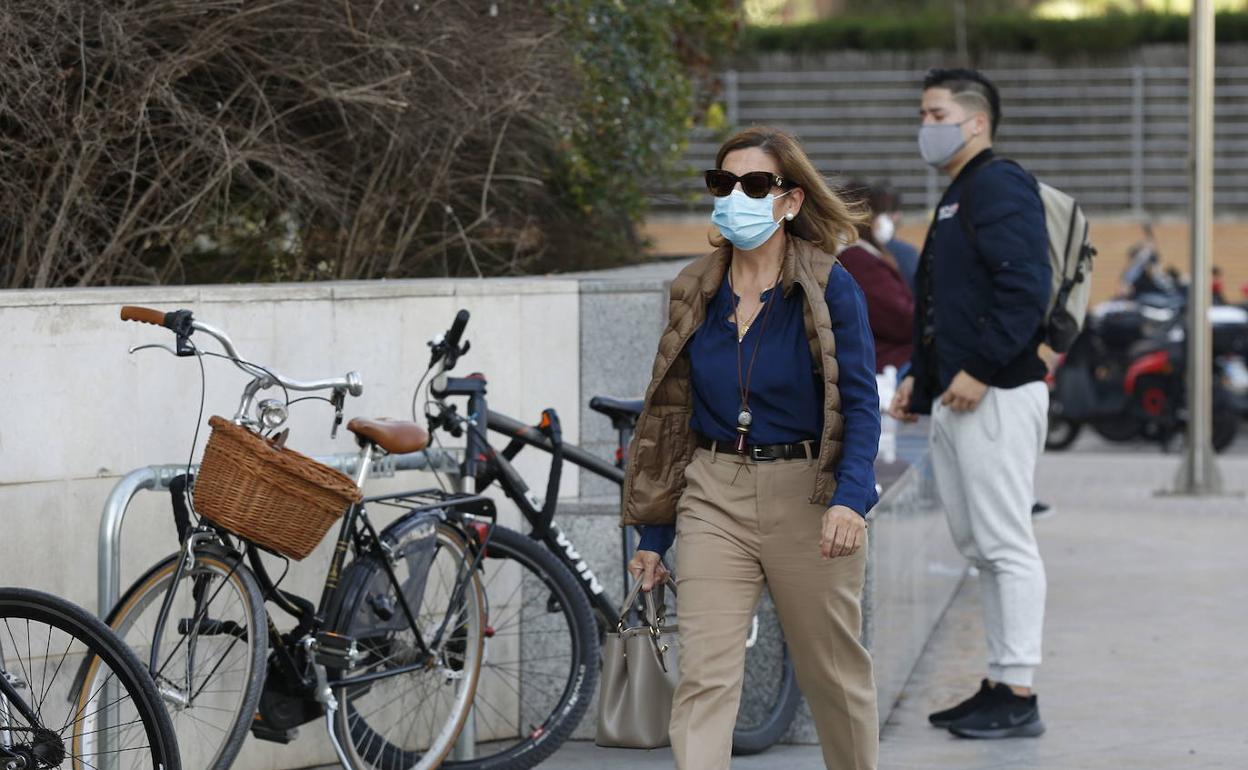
(740, 523)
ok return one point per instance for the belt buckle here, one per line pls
(758, 458)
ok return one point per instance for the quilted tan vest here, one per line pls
(663, 443)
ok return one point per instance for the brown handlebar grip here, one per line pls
(142, 314)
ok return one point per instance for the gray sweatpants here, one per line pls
(985, 464)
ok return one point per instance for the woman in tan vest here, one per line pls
(755, 451)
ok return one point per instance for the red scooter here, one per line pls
(1138, 389)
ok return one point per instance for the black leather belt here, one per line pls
(764, 452)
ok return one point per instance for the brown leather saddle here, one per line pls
(395, 436)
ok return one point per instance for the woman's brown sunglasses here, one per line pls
(755, 184)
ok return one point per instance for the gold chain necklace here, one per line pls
(744, 328)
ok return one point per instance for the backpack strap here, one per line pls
(964, 202)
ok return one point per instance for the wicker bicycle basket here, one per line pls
(268, 494)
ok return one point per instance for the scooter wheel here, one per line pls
(1225, 428)
(1062, 433)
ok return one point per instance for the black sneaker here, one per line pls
(1041, 511)
(1003, 715)
(966, 707)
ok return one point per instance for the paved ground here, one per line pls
(1146, 660)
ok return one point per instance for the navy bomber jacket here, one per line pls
(982, 309)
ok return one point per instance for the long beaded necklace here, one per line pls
(745, 418)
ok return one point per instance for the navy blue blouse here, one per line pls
(786, 396)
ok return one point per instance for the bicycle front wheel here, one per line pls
(770, 686)
(210, 661)
(409, 715)
(92, 703)
(542, 666)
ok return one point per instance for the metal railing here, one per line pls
(1114, 137)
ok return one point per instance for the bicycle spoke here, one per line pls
(75, 718)
(214, 669)
(135, 721)
(199, 615)
(206, 723)
(17, 651)
(97, 711)
(57, 672)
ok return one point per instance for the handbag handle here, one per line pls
(632, 597)
(652, 617)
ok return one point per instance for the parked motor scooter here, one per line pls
(1125, 375)
(1086, 386)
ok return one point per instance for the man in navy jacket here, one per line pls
(982, 292)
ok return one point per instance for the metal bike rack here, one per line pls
(158, 477)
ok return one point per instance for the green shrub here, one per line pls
(1058, 38)
(645, 70)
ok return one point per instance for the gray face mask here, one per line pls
(939, 142)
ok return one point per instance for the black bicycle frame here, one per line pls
(478, 452)
(11, 695)
(313, 620)
(530, 436)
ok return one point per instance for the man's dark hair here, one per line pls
(970, 88)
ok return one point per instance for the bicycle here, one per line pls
(87, 698)
(389, 656)
(562, 595)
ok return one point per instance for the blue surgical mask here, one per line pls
(746, 222)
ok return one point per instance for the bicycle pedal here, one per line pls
(336, 650)
(265, 733)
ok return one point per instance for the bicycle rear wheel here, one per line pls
(211, 663)
(542, 666)
(410, 719)
(770, 695)
(94, 705)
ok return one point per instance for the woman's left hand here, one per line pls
(843, 532)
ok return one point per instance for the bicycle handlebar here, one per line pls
(445, 347)
(457, 329)
(351, 382)
(144, 315)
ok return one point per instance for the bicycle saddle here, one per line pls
(622, 411)
(394, 436)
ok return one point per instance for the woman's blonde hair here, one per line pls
(825, 219)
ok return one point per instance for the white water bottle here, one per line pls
(886, 384)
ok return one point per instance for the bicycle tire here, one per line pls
(103, 651)
(142, 602)
(383, 636)
(545, 579)
(757, 738)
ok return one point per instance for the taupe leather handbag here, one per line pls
(639, 674)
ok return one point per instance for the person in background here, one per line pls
(978, 328)
(1219, 288)
(890, 305)
(1143, 274)
(884, 223)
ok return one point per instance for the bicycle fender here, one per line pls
(360, 609)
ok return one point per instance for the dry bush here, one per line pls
(166, 141)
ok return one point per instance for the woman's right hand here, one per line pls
(648, 565)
